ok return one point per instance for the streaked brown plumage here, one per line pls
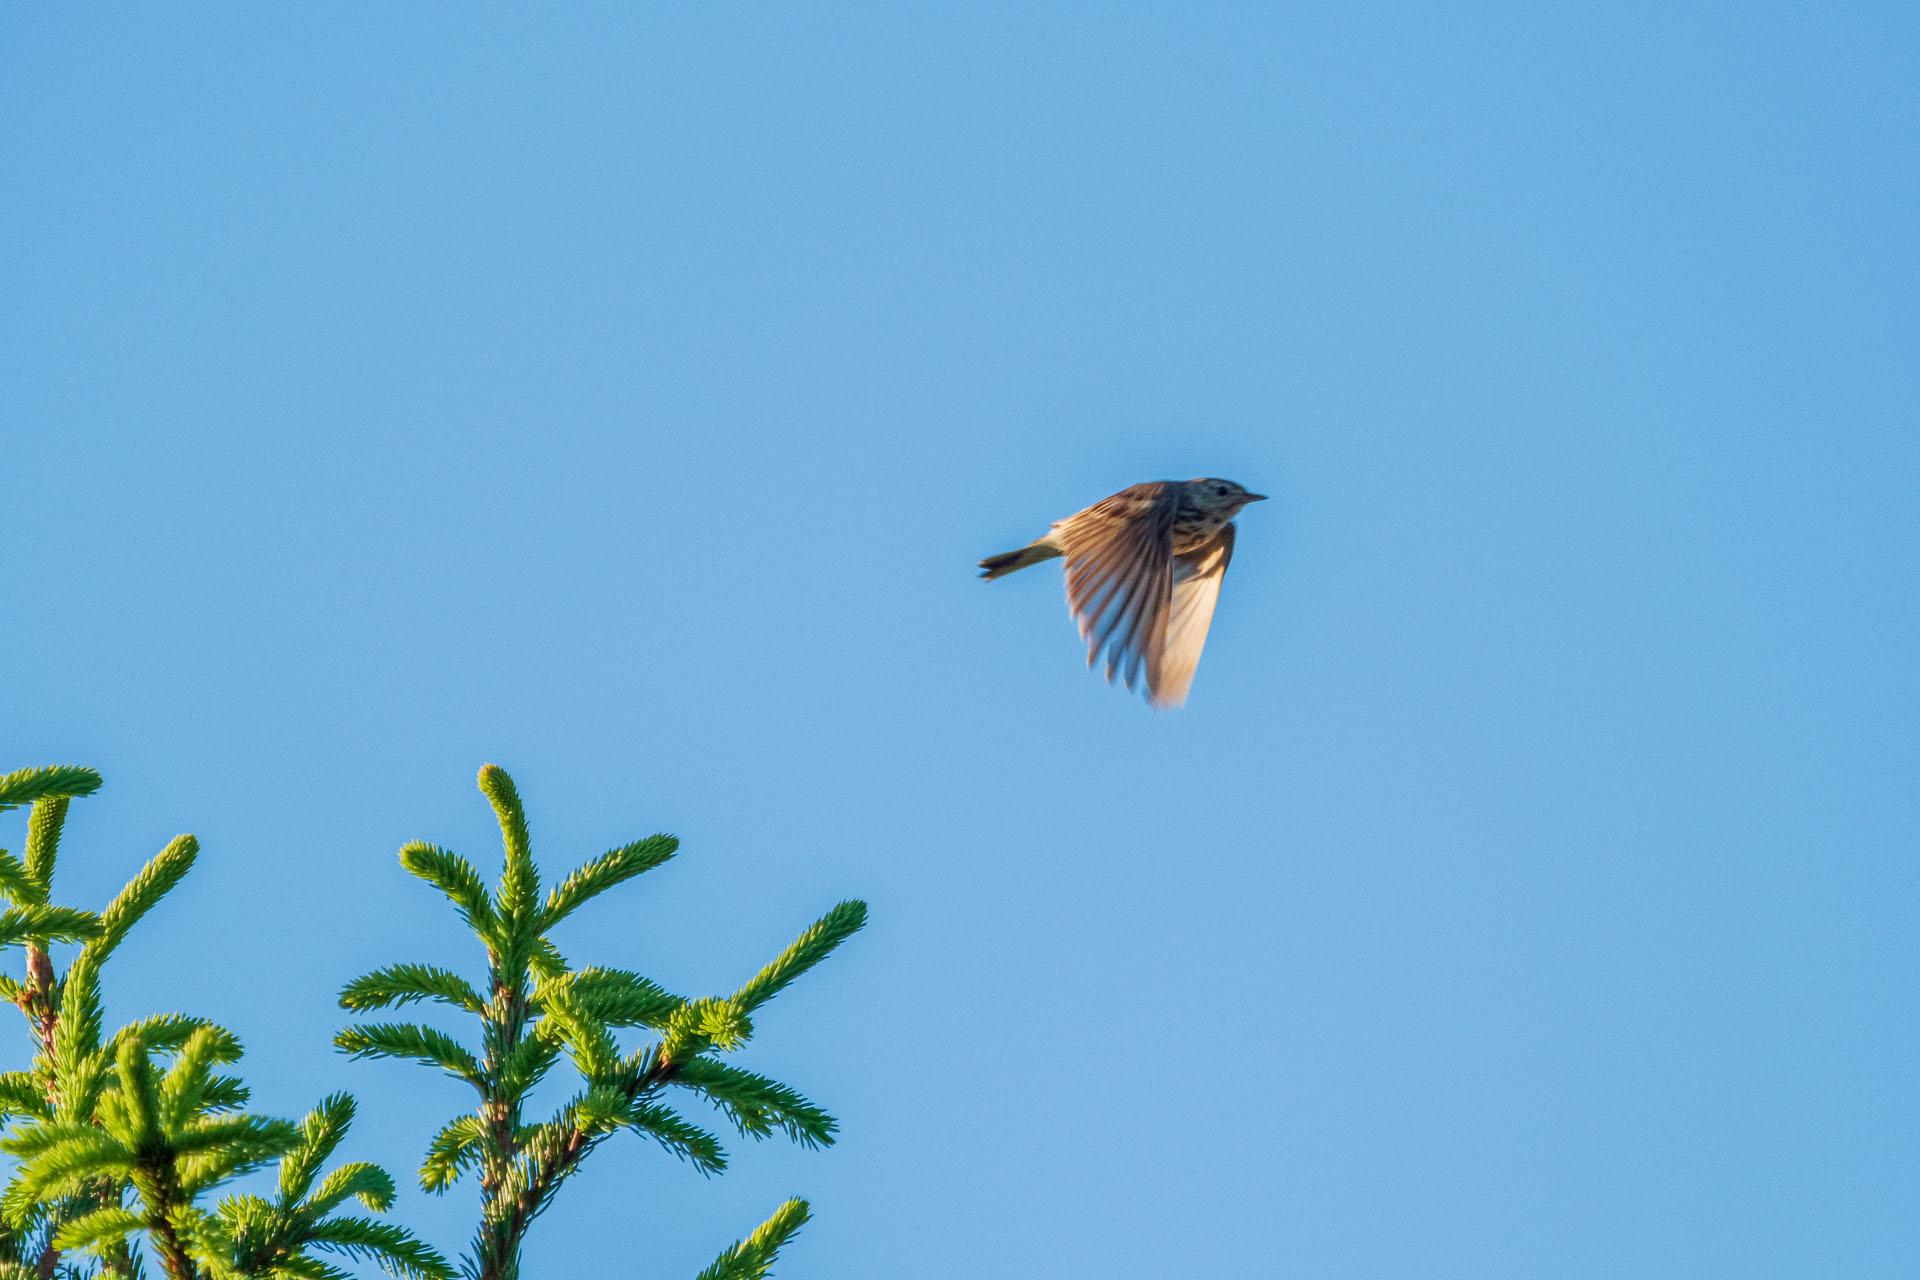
(1143, 574)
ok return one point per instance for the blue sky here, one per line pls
(624, 394)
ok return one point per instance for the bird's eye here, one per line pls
(1221, 490)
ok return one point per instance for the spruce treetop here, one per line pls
(533, 1010)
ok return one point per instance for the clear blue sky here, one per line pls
(623, 394)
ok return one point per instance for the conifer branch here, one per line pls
(21, 1211)
(688, 1141)
(534, 1010)
(454, 876)
(132, 1113)
(598, 1110)
(756, 1105)
(38, 923)
(246, 1142)
(525, 1065)
(22, 1094)
(520, 882)
(29, 1141)
(15, 883)
(454, 1150)
(248, 1236)
(68, 1166)
(395, 1249)
(314, 1269)
(544, 961)
(808, 950)
(224, 1093)
(162, 872)
(400, 984)
(103, 1121)
(96, 1231)
(184, 1090)
(609, 869)
(751, 1258)
(59, 781)
(368, 1183)
(169, 1032)
(587, 1040)
(707, 1023)
(410, 1040)
(43, 843)
(619, 998)
(320, 1132)
(76, 1029)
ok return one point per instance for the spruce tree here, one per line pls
(535, 1008)
(122, 1137)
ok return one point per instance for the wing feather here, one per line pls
(1120, 577)
(1196, 580)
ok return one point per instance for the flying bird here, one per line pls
(1143, 573)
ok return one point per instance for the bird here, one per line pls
(1143, 574)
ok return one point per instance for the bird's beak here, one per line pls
(1253, 497)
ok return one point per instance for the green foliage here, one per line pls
(16, 884)
(808, 950)
(587, 1039)
(171, 1137)
(320, 1133)
(122, 1141)
(162, 1137)
(401, 983)
(617, 997)
(52, 782)
(519, 883)
(118, 1138)
(454, 876)
(711, 1022)
(526, 1064)
(171, 1031)
(99, 1231)
(49, 790)
(410, 1040)
(756, 1105)
(71, 1068)
(157, 879)
(43, 846)
(78, 1015)
(58, 924)
(454, 1150)
(21, 1094)
(603, 873)
(250, 1236)
(749, 1259)
(690, 1142)
(539, 1012)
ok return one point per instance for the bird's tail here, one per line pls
(1033, 553)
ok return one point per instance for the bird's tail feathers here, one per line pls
(1033, 553)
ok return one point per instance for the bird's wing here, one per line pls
(1196, 587)
(1120, 576)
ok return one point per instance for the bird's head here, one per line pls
(1212, 494)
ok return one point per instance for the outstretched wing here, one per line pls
(1120, 576)
(1196, 587)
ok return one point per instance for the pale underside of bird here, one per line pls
(1143, 575)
